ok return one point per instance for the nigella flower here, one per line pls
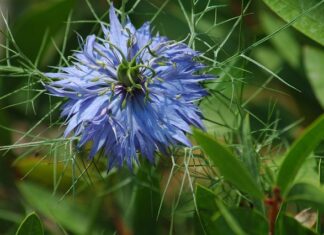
(130, 92)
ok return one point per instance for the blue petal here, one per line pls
(116, 29)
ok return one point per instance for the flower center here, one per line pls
(128, 75)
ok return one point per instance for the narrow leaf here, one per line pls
(65, 213)
(31, 225)
(230, 220)
(206, 208)
(229, 165)
(299, 152)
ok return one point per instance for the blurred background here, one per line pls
(40, 171)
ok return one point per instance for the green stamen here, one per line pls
(128, 75)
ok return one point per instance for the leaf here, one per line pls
(229, 219)
(64, 212)
(284, 41)
(308, 171)
(250, 221)
(206, 206)
(307, 193)
(229, 165)
(146, 202)
(298, 153)
(214, 221)
(288, 226)
(31, 225)
(41, 18)
(313, 60)
(307, 13)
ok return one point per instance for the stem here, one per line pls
(274, 204)
(123, 13)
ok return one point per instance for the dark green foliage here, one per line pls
(228, 164)
(298, 153)
(30, 226)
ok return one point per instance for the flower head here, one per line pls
(130, 92)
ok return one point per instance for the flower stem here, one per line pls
(274, 204)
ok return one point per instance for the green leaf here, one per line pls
(43, 17)
(284, 41)
(313, 60)
(307, 193)
(250, 221)
(31, 225)
(207, 207)
(298, 153)
(308, 172)
(217, 219)
(288, 226)
(146, 201)
(65, 212)
(229, 219)
(229, 165)
(307, 13)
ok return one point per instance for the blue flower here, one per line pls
(130, 92)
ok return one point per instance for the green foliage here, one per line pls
(215, 216)
(30, 226)
(40, 25)
(313, 60)
(228, 164)
(288, 225)
(251, 222)
(216, 219)
(147, 198)
(284, 41)
(207, 207)
(306, 16)
(298, 153)
(64, 212)
(308, 193)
